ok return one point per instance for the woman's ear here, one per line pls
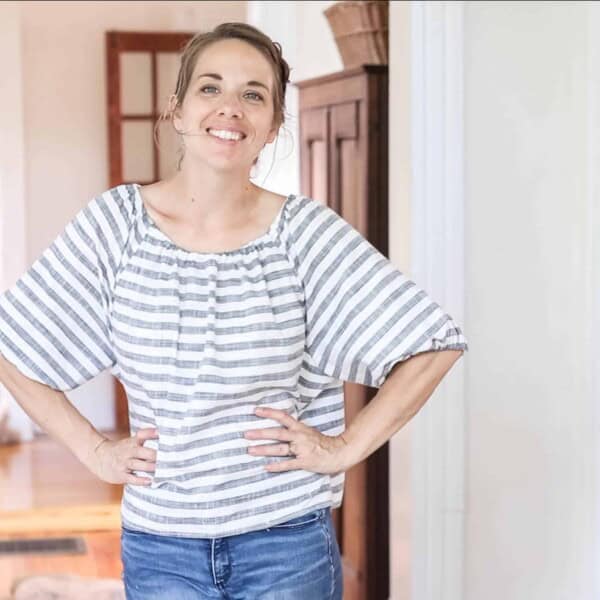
(272, 134)
(172, 102)
(173, 108)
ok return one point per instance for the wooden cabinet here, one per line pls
(344, 163)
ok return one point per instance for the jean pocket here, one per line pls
(301, 521)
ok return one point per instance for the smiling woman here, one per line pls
(266, 91)
(209, 297)
(193, 113)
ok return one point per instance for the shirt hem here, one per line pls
(135, 528)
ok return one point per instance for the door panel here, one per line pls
(142, 73)
(314, 153)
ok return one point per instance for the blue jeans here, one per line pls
(296, 560)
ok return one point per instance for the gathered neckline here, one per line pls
(244, 249)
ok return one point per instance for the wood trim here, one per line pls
(150, 41)
(318, 90)
(113, 99)
(140, 117)
(344, 75)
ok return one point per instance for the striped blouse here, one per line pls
(200, 339)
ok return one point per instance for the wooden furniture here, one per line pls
(344, 163)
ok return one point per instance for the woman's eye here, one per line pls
(255, 95)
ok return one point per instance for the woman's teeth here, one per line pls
(226, 135)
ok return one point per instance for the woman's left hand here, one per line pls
(311, 450)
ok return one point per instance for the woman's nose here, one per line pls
(230, 106)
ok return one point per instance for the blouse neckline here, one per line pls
(244, 249)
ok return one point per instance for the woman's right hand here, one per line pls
(116, 459)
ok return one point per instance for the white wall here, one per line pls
(63, 141)
(530, 416)
(12, 177)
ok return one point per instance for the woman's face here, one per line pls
(231, 88)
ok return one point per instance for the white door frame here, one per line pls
(437, 265)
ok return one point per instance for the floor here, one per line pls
(46, 492)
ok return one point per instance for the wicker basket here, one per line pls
(360, 30)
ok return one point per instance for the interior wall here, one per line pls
(12, 178)
(400, 446)
(530, 468)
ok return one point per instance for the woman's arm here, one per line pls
(52, 411)
(57, 416)
(406, 389)
(399, 399)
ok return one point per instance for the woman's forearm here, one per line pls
(53, 412)
(399, 399)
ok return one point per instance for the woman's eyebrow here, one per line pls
(217, 76)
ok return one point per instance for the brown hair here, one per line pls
(242, 31)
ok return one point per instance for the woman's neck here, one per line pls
(219, 201)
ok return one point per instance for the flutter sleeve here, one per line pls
(54, 320)
(363, 316)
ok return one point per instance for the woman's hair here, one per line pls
(241, 31)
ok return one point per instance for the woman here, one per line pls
(232, 315)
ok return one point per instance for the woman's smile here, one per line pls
(226, 137)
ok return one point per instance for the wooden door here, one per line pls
(343, 155)
(141, 75)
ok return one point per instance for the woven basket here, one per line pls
(360, 30)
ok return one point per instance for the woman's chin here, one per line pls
(222, 164)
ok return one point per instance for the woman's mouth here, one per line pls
(229, 137)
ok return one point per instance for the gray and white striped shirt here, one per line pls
(200, 339)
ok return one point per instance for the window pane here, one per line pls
(136, 83)
(138, 151)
